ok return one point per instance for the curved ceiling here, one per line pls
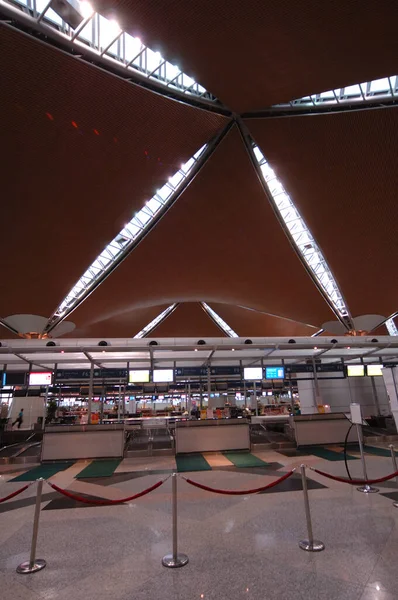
(254, 54)
(341, 171)
(221, 242)
(83, 150)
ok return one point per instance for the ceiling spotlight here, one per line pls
(348, 347)
(315, 347)
(233, 349)
(196, 349)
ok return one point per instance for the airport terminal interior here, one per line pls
(198, 300)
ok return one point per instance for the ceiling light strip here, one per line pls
(220, 322)
(155, 322)
(385, 88)
(129, 235)
(300, 234)
(104, 37)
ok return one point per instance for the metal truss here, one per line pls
(135, 230)
(127, 236)
(103, 38)
(391, 327)
(156, 321)
(219, 321)
(385, 88)
(297, 231)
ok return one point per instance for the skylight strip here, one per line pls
(384, 88)
(151, 326)
(301, 235)
(220, 322)
(105, 38)
(391, 327)
(129, 235)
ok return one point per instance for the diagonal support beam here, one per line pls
(248, 143)
(141, 231)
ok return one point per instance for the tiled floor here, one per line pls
(239, 546)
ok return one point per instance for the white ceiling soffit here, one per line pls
(334, 327)
(62, 329)
(368, 322)
(26, 323)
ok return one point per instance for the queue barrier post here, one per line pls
(175, 559)
(34, 564)
(309, 545)
(366, 489)
(395, 467)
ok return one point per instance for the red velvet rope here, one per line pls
(25, 487)
(356, 481)
(240, 492)
(104, 502)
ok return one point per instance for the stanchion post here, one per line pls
(309, 545)
(175, 559)
(394, 464)
(34, 564)
(366, 489)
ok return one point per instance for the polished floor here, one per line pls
(238, 546)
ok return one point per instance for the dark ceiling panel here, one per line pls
(246, 322)
(220, 242)
(126, 325)
(253, 54)
(188, 320)
(82, 151)
(342, 174)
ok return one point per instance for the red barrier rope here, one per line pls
(25, 487)
(105, 502)
(240, 492)
(355, 481)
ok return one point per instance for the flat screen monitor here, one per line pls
(375, 370)
(139, 376)
(355, 370)
(274, 372)
(253, 373)
(40, 378)
(163, 375)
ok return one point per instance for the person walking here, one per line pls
(19, 419)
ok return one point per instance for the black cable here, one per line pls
(345, 451)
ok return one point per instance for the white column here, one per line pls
(307, 396)
(390, 377)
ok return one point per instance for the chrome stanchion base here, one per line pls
(25, 567)
(314, 546)
(174, 562)
(368, 489)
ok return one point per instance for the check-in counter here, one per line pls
(315, 429)
(210, 435)
(65, 442)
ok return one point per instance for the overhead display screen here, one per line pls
(163, 375)
(274, 372)
(139, 376)
(253, 373)
(355, 370)
(375, 370)
(42, 378)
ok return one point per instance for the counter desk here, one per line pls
(64, 442)
(315, 429)
(213, 435)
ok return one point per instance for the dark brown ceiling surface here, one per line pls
(220, 242)
(254, 54)
(125, 325)
(251, 323)
(341, 171)
(188, 320)
(82, 150)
